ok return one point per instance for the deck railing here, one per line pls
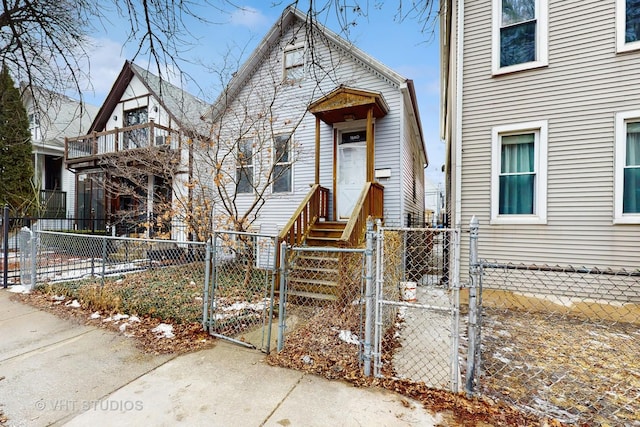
(121, 139)
(369, 204)
(313, 207)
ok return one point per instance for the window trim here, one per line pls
(285, 69)
(542, 40)
(621, 25)
(540, 190)
(289, 163)
(620, 162)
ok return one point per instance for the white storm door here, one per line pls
(352, 173)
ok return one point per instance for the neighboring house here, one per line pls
(134, 160)
(52, 117)
(325, 134)
(541, 116)
(434, 202)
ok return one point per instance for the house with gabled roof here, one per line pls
(52, 117)
(133, 164)
(325, 135)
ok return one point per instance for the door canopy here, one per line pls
(345, 104)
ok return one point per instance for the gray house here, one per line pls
(541, 116)
(323, 133)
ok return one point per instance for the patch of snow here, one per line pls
(123, 327)
(348, 337)
(192, 283)
(107, 319)
(134, 319)
(95, 315)
(499, 357)
(119, 281)
(72, 304)
(20, 289)
(163, 330)
(58, 298)
(118, 317)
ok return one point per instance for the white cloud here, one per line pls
(249, 17)
(106, 59)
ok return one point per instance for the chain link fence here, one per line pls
(159, 278)
(417, 312)
(560, 341)
(322, 309)
(241, 293)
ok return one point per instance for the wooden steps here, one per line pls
(315, 276)
(325, 233)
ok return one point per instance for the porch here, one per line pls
(86, 151)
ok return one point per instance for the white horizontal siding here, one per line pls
(579, 92)
(333, 68)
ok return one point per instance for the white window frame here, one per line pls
(285, 69)
(620, 163)
(289, 162)
(540, 128)
(542, 39)
(621, 25)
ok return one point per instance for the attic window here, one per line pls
(294, 63)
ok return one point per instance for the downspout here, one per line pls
(403, 90)
(458, 124)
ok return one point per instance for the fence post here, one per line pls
(34, 259)
(5, 246)
(104, 259)
(473, 305)
(272, 297)
(283, 295)
(369, 303)
(207, 271)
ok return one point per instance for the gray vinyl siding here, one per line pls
(291, 104)
(584, 85)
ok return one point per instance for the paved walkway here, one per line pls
(57, 372)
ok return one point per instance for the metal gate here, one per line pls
(417, 306)
(240, 293)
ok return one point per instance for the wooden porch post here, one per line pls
(317, 150)
(370, 151)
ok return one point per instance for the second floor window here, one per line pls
(282, 164)
(244, 166)
(294, 63)
(519, 35)
(628, 25)
(136, 138)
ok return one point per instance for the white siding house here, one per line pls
(52, 117)
(349, 120)
(541, 116)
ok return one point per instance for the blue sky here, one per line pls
(399, 45)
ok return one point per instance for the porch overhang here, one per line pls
(345, 104)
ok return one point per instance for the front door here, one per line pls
(352, 170)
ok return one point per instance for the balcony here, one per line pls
(86, 150)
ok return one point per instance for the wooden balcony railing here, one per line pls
(313, 207)
(369, 204)
(121, 139)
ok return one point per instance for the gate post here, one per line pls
(473, 306)
(207, 272)
(5, 246)
(283, 295)
(369, 302)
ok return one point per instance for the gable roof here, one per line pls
(183, 108)
(289, 16)
(60, 115)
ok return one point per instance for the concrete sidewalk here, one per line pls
(57, 372)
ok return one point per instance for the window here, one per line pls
(34, 126)
(519, 35)
(519, 174)
(294, 63)
(244, 166)
(628, 25)
(282, 164)
(627, 173)
(136, 138)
